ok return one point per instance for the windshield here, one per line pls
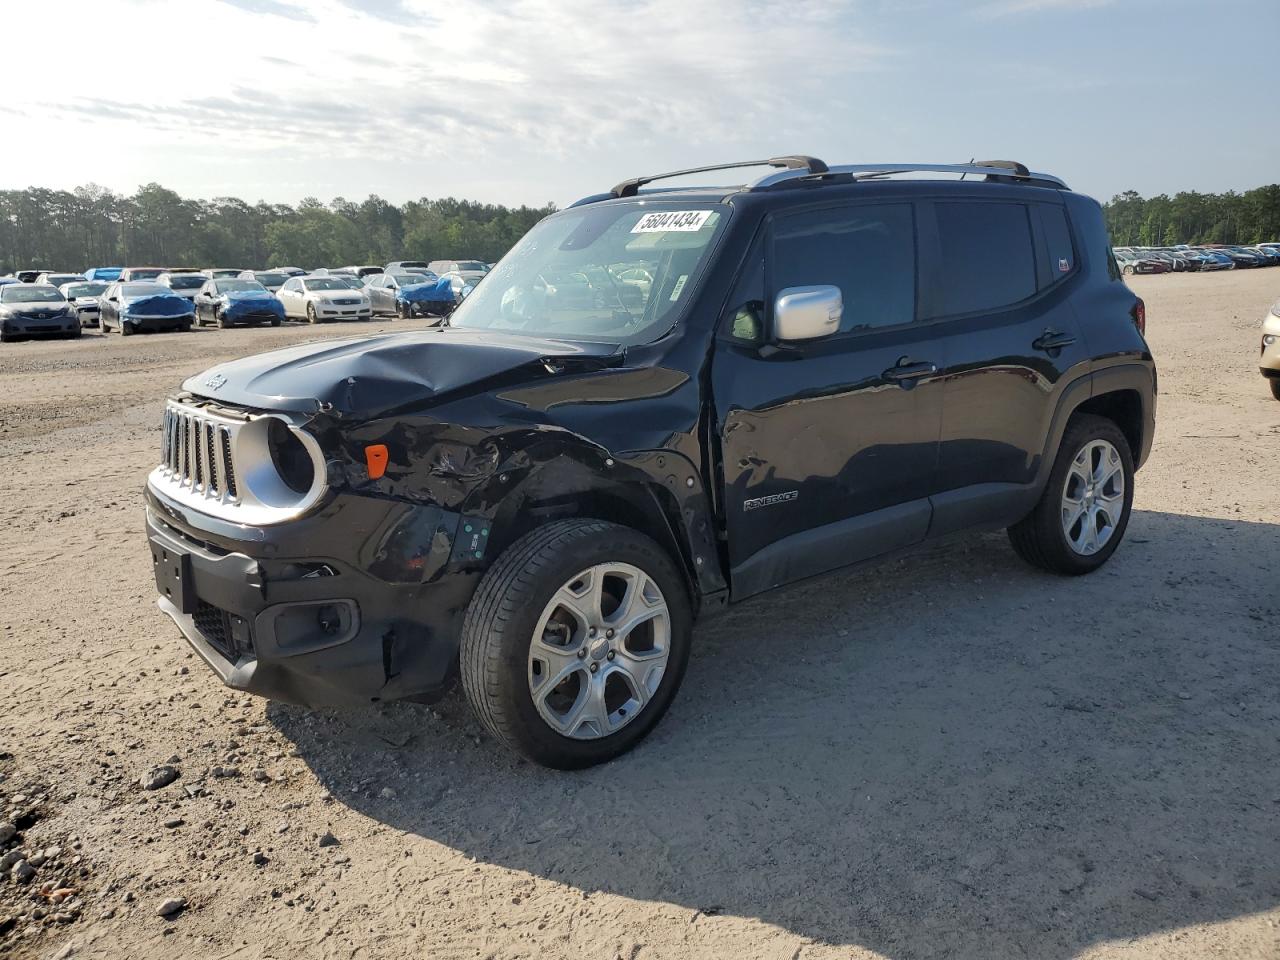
(189, 282)
(20, 293)
(271, 279)
(355, 283)
(472, 265)
(565, 278)
(85, 289)
(410, 279)
(229, 286)
(145, 273)
(142, 290)
(326, 283)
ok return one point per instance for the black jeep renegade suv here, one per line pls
(659, 402)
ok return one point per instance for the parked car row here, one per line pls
(144, 299)
(1185, 257)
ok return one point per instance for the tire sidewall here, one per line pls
(616, 545)
(1079, 434)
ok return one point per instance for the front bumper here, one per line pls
(359, 602)
(172, 322)
(329, 312)
(1269, 361)
(26, 327)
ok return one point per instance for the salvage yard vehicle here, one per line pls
(35, 310)
(827, 364)
(323, 298)
(409, 295)
(272, 280)
(1270, 362)
(105, 274)
(84, 297)
(141, 273)
(227, 302)
(143, 306)
(58, 279)
(185, 285)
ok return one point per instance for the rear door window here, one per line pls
(868, 251)
(987, 258)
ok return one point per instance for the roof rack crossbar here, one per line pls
(996, 170)
(795, 164)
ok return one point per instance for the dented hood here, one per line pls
(366, 377)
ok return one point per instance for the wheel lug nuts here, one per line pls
(612, 654)
(609, 634)
(595, 667)
(582, 653)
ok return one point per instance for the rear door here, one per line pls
(1002, 273)
(828, 447)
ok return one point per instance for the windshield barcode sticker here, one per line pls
(687, 221)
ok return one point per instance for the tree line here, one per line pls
(1190, 217)
(92, 226)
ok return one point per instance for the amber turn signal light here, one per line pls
(375, 458)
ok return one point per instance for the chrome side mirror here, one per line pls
(806, 313)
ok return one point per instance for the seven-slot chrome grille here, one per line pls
(221, 462)
(196, 453)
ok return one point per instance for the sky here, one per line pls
(530, 101)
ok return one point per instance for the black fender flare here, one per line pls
(1137, 377)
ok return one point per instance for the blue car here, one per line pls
(107, 274)
(134, 306)
(229, 301)
(410, 294)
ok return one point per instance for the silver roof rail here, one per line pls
(998, 170)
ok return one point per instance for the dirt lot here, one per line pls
(948, 755)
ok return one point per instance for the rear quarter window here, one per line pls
(987, 257)
(1057, 238)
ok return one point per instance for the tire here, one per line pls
(1041, 539)
(275, 322)
(1127, 270)
(1275, 386)
(311, 314)
(514, 598)
(220, 321)
(124, 329)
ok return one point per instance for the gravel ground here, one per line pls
(946, 755)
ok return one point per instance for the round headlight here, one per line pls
(291, 459)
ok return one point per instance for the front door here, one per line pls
(829, 446)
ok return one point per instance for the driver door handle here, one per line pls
(1053, 340)
(907, 371)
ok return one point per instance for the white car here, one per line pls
(58, 279)
(273, 280)
(185, 285)
(323, 298)
(83, 295)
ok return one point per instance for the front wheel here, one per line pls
(575, 642)
(1275, 386)
(124, 329)
(311, 313)
(1084, 510)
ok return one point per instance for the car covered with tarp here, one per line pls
(410, 294)
(136, 306)
(229, 301)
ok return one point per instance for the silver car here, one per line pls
(35, 309)
(273, 280)
(323, 298)
(185, 285)
(84, 296)
(58, 279)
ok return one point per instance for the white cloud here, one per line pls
(398, 81)
(1004, 8)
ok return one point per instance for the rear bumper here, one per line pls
(355, 604)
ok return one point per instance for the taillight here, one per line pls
(1139, 314)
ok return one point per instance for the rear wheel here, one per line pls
(1084, 510)
(575, 642)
